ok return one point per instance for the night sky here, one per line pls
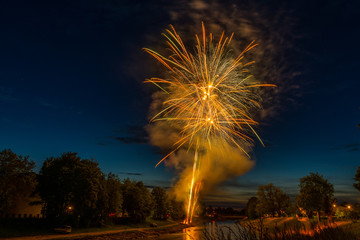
(71, 76)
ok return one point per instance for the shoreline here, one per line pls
(130, 233)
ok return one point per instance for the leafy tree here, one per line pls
(161, 203)
(115, 195)
(229, 211)
(282, 202)
(70, 187)
(272, 200)
(17, 179)
(138, 201)
(89, 188)
(103, 204)
(177, 210)
(56, 184)
(316, 194)
(357, 179)
(251, 208)
(292, 210)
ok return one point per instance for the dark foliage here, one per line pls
(72, 190)
(272, 200)
(316, 194)
(357, 179)
(17, 179)
(176, 209)
(251, 208)
(114, 194)
(138, 201)
(258, 231)
(161, 203)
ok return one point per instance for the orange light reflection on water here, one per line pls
(191, 233)
(197, 232)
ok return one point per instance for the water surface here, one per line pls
(198, 232)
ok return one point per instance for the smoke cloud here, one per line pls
(216, 165)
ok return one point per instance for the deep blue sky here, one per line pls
(71, 77)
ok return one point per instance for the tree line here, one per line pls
(316, 197)
(75, 191)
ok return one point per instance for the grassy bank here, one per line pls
(287, 229)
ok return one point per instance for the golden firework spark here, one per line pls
(208, 96)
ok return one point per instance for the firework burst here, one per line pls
(208, 97)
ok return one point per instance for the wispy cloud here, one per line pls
(352, 147)
(7, 95)
(153, 186)
(235, 183)
(130, 140)
(130, 173)
(47, 104)
(132, 134)
(222, 197)
(129, 135)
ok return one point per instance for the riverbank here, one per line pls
(115, 232)
(143, 233)
(176, 230)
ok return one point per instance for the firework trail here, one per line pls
(208, 97)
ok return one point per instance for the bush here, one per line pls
(353, 216)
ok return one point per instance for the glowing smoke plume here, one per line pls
(206, 108)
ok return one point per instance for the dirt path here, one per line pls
(119, 234)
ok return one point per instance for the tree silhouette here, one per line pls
(138, 201)
(17, 179)
(71, 187)
(251, 208)
(357, 179)
(115, 195)
(161, 203)
(272, 200)
(316, 194)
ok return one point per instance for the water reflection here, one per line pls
(215, 230)
(210, 228)
(192, 233)
(207, 231)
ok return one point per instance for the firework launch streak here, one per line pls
(209, 97)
